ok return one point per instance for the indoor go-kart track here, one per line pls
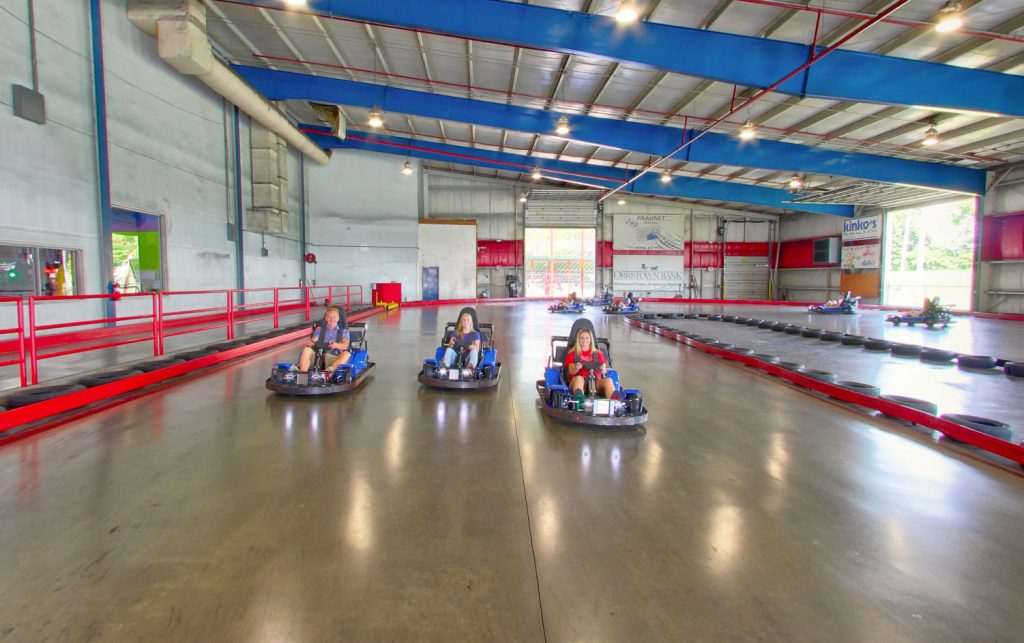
(214, 510)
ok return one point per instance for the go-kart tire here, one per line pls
(866, 389)
(741, 320)
(766, 358)
(765, 323)
(722, 345)
(832, 336)
(793, 330)
(905, 350)
(226, 346)
(487, 373)
(556, 399)
(739, 350)
(691, 316)
(728, 318)
(822, 376)
(196, 354)
(714, 318)
(156, 364)
(853, 340)
(912, 402)
(995, 428)
(937, 356)
(811, 333)
(872, 344)
(754, 322)
(1014, 369)
(428, 370)
(779, 327)
(978, 362)
(31, 396)
(346, 376)
(796, 367)
(108, 377)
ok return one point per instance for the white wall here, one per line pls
(363, 220)
(452, 248)
(1006, 278)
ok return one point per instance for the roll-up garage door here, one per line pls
(746, 277)
(562, 209)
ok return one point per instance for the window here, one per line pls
(26, 271)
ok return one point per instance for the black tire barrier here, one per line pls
(686, 334)
(853, 340)
(860, 387)
(791, 366)
(702, 315)
(793, 330)
(156, 364)
(766, 323)
(691, 316)
(995, 428)
(226, 346)
(741, 351)
(822, 376)
(980, 362)
(728, 318)
(765, 357)
(811, 333)
(649, 316)
(779, 327)
(754, 322)
(108, 377)
(2, 409)
(722, 345)
(1014, 369)
(873, 344)
(43, 393)
(196, 354)
(832, 336)
(741, 320)
(714, 318)
(912, 402)
(905, 350)
(703, 340)
(936, 355)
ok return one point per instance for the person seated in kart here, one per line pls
(464, 337)
(336, 337)
(571, 300)
(625, 302)
(582, 361)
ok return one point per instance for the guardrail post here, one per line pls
(231, 314)
(277, 306)
(33, 362)
(21, 346)
(309, 294)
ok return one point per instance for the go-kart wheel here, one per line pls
(487, 372)
(428, 370)
(557, 399)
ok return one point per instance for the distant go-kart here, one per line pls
(286, 380)
(573, 309)
(619, 309)
(626, 408)
(461, 376)
(599, 301)
(932, 314)
(847, 305)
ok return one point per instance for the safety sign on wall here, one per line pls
(648, 231)
(862, 257)
(862, 228)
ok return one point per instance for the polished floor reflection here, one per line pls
(215, 511)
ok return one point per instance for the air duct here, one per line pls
(180, 30)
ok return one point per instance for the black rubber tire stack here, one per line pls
(156, 364)
(792, 330)
(831, 336)
(912, 402)
(860, 387)
(754, 322)
(739, 350)
(791, 366)
(905, 350)
(977, 362)
(853, 340)
(226, 346)
(995, 428)
(822, 376)
(811, 333)
(1014, 369)
(765, 323)
(722, 345)
(768, 359)
(196, 354)
(880, 345)
(106, 378)
(779, 327)
(40, 394)
(937, 356)
(728, 318)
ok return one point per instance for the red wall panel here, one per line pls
(799, 253)
(497, 254)
(1003, 237)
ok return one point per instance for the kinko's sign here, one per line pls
(647, 273)
(863, 228)
(648, 231)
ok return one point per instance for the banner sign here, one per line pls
(863, 228)
(648, 273)
(857, 257)
(648, 231)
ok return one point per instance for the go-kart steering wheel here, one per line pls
(591, 365)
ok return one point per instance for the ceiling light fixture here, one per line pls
(621, 201)
(296, 3)
(375, 119)
(748, 131)
(931, 136)
(796, 182)
(666, 176)
(626, 14)
(950, 17)
(407, 168)
(536, 174)
(563, 126)
(522, 197)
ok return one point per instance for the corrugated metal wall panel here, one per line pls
(562, 209)
(746, 277)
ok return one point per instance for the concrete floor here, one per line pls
(215, 511)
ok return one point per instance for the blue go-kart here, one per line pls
(604, 300)
(461, 376)
(626, 408)
(931, 315)
(570, 309)
(846, 306)
(286, 380)
(621, 309)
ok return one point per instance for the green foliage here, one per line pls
(934, 238)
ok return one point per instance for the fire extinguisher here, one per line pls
(115, 290)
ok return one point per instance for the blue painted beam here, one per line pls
(595, 175)
(106, 213)
(655, 140)
(730, 58)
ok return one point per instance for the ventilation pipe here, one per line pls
(180, 30)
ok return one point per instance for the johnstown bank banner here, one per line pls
(648, 273)
(648, 231)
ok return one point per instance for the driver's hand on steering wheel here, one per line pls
(310, 342)
(334, 346)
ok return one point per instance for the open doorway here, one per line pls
(559, 261)
(930, 253)
(138, 264)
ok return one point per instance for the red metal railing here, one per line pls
(19, 333)
(159, 321)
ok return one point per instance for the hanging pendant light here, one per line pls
(375, 119)
(666, 176)
(626, 14)
(621, 201)
(748, 131)
(407, 168)
(522, 197)
(931, 136)
(563, 126)
(950, 17)
(536, 174)
(796, 183)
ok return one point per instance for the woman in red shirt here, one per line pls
(584, 354)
